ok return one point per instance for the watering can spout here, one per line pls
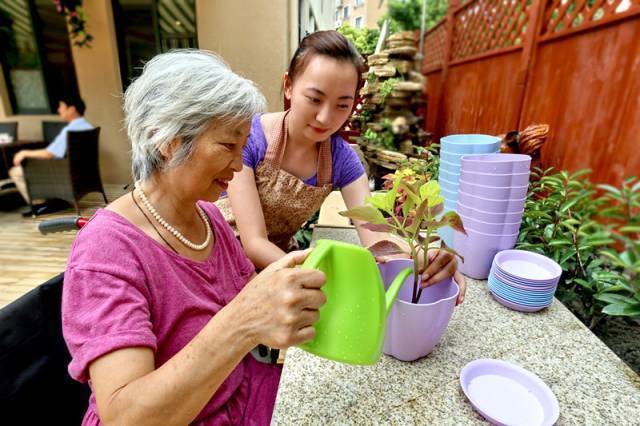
(394, 288)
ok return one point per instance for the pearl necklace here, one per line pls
(173, 230)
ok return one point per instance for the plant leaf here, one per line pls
(385, 248)
(366, 213)
(452, 219)
(619, 309)
(378, 200)
(430, 189)
(376, 227)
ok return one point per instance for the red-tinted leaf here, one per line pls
(376, 227)
(432, 239)
(453, 220)
(385, 248)
(436, 210)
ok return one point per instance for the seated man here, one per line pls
(71, 110)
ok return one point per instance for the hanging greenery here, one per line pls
(72, 11)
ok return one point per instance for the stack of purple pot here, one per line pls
(491, 196)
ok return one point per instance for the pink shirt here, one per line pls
(123, 289)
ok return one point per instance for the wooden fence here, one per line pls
(499, 65)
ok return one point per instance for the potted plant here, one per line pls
(412, 210)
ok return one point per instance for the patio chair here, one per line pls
(11, 128)
(35, 387)
(51, 129)
(69, 178)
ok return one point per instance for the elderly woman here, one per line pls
(161, 307)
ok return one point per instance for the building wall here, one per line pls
(370, 11)
(254, 37)
(100, 85)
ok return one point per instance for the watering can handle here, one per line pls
(317, 254)
(394, 288)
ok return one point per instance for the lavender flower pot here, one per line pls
(493, 192)
(496, 163)
(478, 250)
(488, 217)
(413, 330)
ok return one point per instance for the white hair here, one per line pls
(176, 96)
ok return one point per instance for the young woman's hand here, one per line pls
(441, 265)
(282, 302)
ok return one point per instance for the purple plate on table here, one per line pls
(506, 394)
(528, 266)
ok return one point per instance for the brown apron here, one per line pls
(287, 202)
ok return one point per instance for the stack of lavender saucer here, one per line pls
(491, 195)
(523, 280)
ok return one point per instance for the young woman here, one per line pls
(294, 159)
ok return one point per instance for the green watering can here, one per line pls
(353, 322)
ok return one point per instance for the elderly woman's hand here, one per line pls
(282, 302)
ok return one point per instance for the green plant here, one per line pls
(73, 12)
(304, 234)
(566, 220)
(404, 15)
(427, 166)
(622, 296)
(364, 39)
(386, 88)
(383, 138)
(409, 209)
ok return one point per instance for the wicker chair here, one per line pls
(51, 129)
(69, 178)
(11, 128)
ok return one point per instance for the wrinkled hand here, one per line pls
(282, 302)
(17, 159)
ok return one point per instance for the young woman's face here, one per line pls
(322, 97)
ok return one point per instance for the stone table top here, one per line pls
(593, 386)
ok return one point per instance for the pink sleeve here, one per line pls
(103, 311)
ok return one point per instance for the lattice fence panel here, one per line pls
(565, 15)
(487, 25)
(435, 46)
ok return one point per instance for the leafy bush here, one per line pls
(405, 15)
(429, 166)
(567, 220)
(364, 39)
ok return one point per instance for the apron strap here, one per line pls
(277, 143)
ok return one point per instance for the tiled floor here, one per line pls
(28, 258)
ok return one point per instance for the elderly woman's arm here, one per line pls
(277, 307)
(249, 217)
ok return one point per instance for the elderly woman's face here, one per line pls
(216, 156)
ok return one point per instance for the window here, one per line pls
(359, 22)
(145, 28)
(35, 55)
(359, 3)
(346, 12)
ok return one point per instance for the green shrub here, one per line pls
(568, 220)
